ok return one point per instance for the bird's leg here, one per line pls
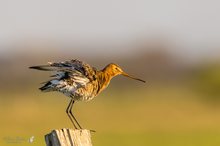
(68, 111)
(71, 106)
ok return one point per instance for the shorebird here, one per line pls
(79, 81)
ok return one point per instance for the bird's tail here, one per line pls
(43, 67)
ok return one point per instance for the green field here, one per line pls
(152, 116)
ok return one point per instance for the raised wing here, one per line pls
(69, 76)
(72, 66)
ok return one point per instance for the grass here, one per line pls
(163, 118)
(158, 139)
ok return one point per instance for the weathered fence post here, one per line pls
(68, 137)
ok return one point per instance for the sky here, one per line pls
(192, 25)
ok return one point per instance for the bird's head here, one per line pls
(114, 70)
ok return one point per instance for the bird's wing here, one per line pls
(70, 68)
(69, 76)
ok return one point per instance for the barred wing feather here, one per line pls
(69, 76)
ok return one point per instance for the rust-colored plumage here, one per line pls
(79, 81)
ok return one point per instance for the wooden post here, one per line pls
(68, 137)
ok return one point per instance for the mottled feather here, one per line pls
(73, 78)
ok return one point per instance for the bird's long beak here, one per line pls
(125, 74)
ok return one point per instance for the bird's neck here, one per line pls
(104, 79)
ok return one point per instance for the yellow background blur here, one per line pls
(173, 45)
(179, 104)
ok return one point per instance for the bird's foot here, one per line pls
(83, 129)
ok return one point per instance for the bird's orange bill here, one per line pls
(125, 74)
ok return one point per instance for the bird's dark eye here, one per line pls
(117, 69)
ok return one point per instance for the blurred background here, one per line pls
(173, 45)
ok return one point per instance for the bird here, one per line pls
(79, 81)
